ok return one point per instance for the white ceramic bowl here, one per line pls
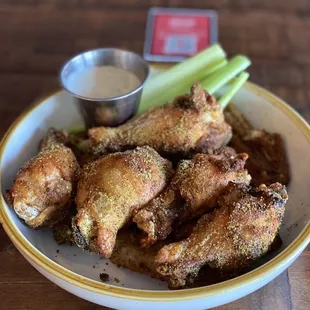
(73, 269)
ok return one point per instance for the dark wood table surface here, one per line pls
(37, 36)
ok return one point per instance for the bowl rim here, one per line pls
(51, 267)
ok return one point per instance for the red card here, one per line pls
(175, 34)
(180, 35)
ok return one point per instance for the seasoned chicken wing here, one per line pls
(128, 254)
(110, 189)
(268, 161)
(240, 231)
(195, 189)
(192, 123)
(43, 187)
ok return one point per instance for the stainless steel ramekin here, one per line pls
(107, 111)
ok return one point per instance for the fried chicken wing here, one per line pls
(240, 231)
(110, 189)
(128, 254)
(43, 187)
(192, 123)
(195, 189)
(268, 161)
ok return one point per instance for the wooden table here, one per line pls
(38, 36)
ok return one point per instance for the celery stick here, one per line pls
(196, 63)
(75, 130)
(234, 86)
(215, 81)
(169, 94)
(195, 66)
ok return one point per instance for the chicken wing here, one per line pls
(240, 231)
(43, 187)
(195, 189)
(128, 254)
(110, 189)
(268, 161)
(192, 123)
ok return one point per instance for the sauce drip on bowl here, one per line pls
(102, 82)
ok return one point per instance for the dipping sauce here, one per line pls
(102, 82)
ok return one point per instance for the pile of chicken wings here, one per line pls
(162, 194)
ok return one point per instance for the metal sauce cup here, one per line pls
(107, 111)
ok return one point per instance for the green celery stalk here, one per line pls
(222, 76)
(196, 66)
(75, 130)
(234, 86)
(166, 95)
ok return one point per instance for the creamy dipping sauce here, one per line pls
(102, 82)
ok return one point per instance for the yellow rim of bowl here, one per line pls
(38, 258)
